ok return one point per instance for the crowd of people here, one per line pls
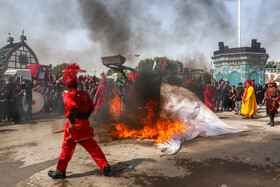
(16, 100)
(219, 96)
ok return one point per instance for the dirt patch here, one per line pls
(217, 172)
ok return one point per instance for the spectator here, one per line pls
(18, 104)
(232, 97)
(220, 96)
(11, 87)
(239, 96)
(249, 103)
(209, 97)
(259, 94)
(28, 90)
(227, 94)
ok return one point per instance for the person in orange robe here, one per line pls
(249, 102)
(78, 108)
(209, 97)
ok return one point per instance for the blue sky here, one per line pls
(188, 30)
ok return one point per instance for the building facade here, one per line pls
(239, 64)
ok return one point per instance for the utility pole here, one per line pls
(239, 24)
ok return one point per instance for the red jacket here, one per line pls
(102, 94)
(78, 99)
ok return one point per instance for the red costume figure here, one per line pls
(102, 93)
(209, 97)
(272, 97)
(78, 107)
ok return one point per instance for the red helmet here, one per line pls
(70, 74)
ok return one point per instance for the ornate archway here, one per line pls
(218, 77)
(255, 76)
(16, 56)
(234, 78)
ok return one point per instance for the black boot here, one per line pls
(106, 169)
(57, 174)
(269, 122)
(272, 120)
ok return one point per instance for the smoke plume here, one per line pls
(126, 27)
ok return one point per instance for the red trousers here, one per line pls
(90, 145)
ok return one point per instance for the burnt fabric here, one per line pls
(82, 133)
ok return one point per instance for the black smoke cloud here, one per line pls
(126, 27)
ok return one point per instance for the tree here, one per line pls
(171, 65)
(270, 64)
(120, 76)
(57, 70)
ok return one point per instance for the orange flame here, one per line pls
(115, 105)
(160, 129)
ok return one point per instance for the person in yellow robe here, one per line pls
(249, 102)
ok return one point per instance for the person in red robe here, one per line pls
(102, 93)
(272, 95)
(209, 97)
(78, 108)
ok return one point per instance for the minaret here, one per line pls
(22, 37)
(10, 38)
(239, 25)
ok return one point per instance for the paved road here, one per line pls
(249, 158)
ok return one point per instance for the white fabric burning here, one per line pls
(181, 104)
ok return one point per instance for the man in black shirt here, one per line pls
(18, 103)
(11, 87)
(28, 90)
(239, 96)
(220, 94)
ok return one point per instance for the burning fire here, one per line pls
(151, 127)
(115, 105)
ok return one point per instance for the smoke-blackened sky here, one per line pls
(188, 30)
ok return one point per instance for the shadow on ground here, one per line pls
(117, 169)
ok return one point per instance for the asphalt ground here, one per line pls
(249, 158)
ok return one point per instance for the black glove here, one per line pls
(73, 116)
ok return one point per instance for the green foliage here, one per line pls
(120, 78)
(171, 65)
(111, 72)
(57, 70)
(270, 64)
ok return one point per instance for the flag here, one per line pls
(164, 64)
(130, 76)
(155, 63)
(134, 75)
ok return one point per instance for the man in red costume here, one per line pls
(78, 107)
(272, 95)
(209, 97)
